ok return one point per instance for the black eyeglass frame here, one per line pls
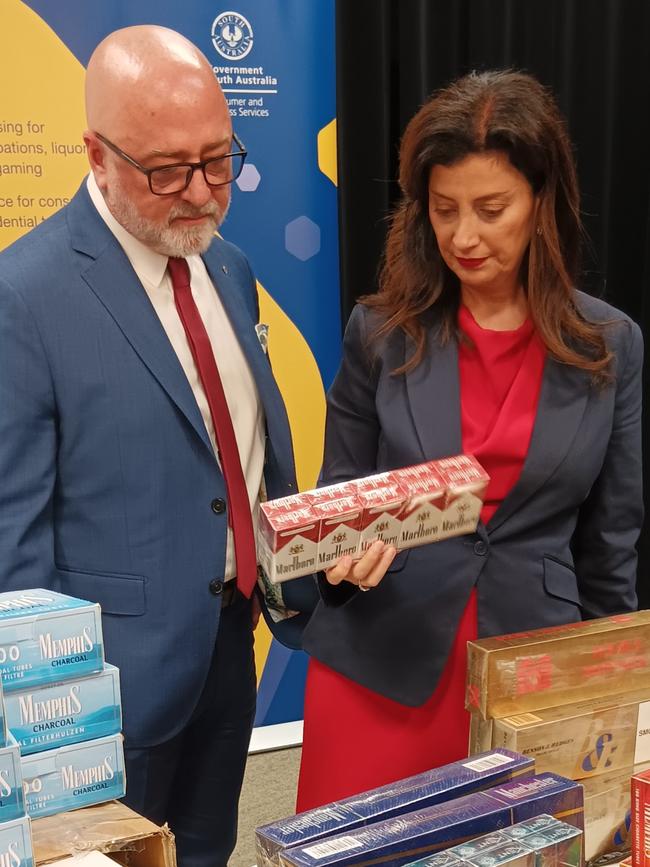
(191, 167)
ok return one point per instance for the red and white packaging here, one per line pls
(422, 513)
(339, 529)
(330, 492)
(372, 483)
(287, 541)
(466, 482)
(380, 516)
(640, 792)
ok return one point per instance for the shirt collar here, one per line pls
(147, 264)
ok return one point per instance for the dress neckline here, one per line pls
(472, 329)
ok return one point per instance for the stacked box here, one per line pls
(16, 848)
(413, 793)
(405, 507)
(12, 801)
(46, 637)
(399, 841)
(640, 797)
(519, 689)
(74, 776)
(65, 713)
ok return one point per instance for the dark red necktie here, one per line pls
(238, 502)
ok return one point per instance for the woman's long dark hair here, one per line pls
(510, 113)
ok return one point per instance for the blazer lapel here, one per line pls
(560, 410)
(433, 389)
(110, 276)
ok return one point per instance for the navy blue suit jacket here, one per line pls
(107, 470)
(561, 546)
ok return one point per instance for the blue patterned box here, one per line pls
(46, 637)
(65, 713)
(16, 843)
(75, 776)
(413, 793)
(12, 801)
(406, 838)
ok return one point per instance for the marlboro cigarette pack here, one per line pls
(582, 739)
(401, 840)
(405, 507)
(394, 799)
(528, 671)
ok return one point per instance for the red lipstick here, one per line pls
(470, 263)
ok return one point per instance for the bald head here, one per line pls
(136, 72)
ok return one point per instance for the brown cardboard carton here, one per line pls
(111, 828)
(480, 734)
(607, 811)
(582, 739)
(549, 667)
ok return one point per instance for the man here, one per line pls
(139, 420)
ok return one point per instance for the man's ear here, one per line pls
(96, 154)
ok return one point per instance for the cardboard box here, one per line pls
(394, 799)
(527, 671)
(65, 713)
(16, 844)
(380, 516)
(47, 637)
(480, 734)
(403, 839)
(608, 812)
(466, 483)
(583, 739)
(12, 801)
(287, 542)
(111, 828)
(422, 515)
(74, 776)
(339, 522)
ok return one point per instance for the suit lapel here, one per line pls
(110, 276)
(434, 396)
(562, 403)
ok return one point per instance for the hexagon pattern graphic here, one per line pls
(302, 238)
(249, 179)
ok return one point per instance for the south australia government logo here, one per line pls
(232, 35)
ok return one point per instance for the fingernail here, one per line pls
(378, 545)
(346, 561)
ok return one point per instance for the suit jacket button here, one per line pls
(480, 548)
(218, 506)
(216, 587)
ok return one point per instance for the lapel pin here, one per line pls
(224, 268)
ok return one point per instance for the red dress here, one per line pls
(355, 739)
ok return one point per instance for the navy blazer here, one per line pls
(107, 470)
(560, 547)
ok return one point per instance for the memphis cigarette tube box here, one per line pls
(421, 790)
(46, 637)
(16, 844)
(74, 776)
(405, 838)
(558, 665)
(65, 713)
(582, 739)
(12, 802)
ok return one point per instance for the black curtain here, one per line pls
(593, 54)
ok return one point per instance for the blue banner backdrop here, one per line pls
(276, 62)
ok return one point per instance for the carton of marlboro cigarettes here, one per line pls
(380, 516)
(465, 482)
(404, 796)
(422, 514)
(582, 739)
(608, 811)
(331, 492)
(287, 541)
(401, 840)
(528, 671)
(339, 522)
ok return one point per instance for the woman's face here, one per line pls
(482, 211)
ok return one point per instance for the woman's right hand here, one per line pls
(366, 572)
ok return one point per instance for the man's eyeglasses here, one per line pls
(176, 177)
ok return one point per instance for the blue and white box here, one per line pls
(56, 714)
(75, 776)
(16, 844)
(404, 839)
(413, 793)
(12, 802)
(46, 637)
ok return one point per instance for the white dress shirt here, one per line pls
(238, 384)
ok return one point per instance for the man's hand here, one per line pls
(366, 572)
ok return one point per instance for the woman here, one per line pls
(477, 342)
